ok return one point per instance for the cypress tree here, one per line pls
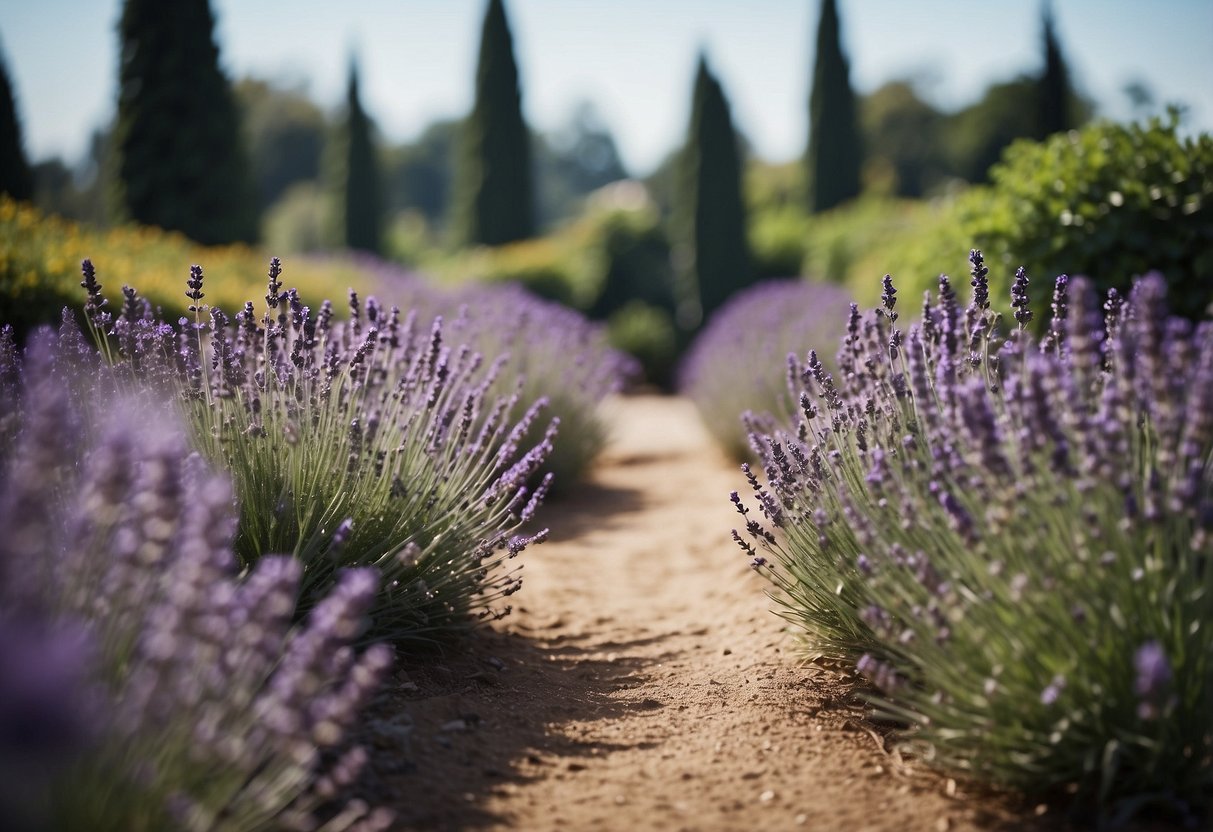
(835, 152)
(1053, 88)
(494, 200)
(713, 251)
(361, 198)
(16, 179)
(180, 153)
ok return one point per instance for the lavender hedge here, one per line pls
(557, 352)
(367, 442)
(738, 362)
(1011, 540)
(142, 686)
(560, 356)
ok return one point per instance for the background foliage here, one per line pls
(1109, 201)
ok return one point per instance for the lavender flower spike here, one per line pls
(980, 281)
(1153, 678)
(1019, 298)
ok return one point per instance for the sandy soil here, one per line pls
(642, 682)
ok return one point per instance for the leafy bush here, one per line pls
(844, 244)
(614, 253)
(141, 685)
(627, 252)
(300, 221)
(739, 362)
(364, 443)
(779, 221)
(646, 333)
(778, 239)
(545, 266)
(1110, 201)
(1012, 542)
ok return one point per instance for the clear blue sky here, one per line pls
(633, 58)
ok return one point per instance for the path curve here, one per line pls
(642, 682)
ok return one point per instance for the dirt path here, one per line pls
(642, 683)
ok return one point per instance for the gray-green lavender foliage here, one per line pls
(369, 442)
(1011, 540)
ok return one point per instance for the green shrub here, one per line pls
(628, 253)
(778, 241)
(842, 243)
(1109, 201)
(547, 267)
(647, 334)
(300, 221)
(616, 252)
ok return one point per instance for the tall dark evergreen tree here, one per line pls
(16, 178)
(1053, 92)
(494, 199)
(181, 159)
(710, 223)
(362, 201)
(835, 152)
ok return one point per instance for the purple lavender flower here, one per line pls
(1052, 691)
(47, 706)
(194, 284)
(888, 297)
(1019, 298)
(1055, 339)
(880, 673)
(94, 307)
(555, 352)
(947, 316)
(1153, 679)
(49, 713)
(980, 281)
(764, 326)
(273, 293)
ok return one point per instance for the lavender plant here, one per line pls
(142, 686)
(1011, 540)
(369, 442)
(738, 363)
(559, 354)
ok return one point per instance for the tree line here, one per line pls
(190, 151)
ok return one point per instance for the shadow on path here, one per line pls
(590, 507)
(493, 713)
